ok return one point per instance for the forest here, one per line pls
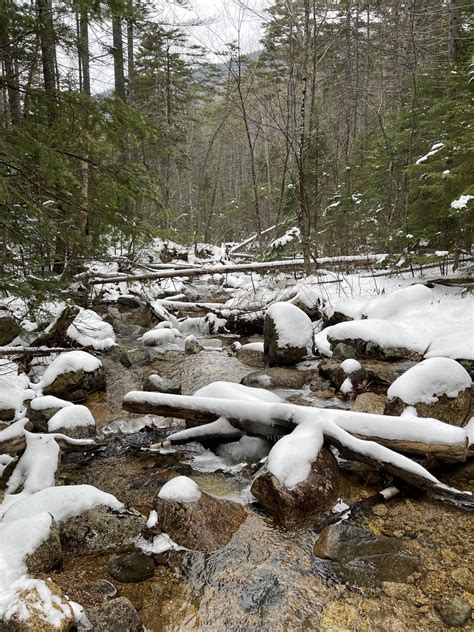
(236, 315)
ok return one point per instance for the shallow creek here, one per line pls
(265, 578)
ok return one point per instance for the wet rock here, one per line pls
(363, 559)
(343, 352)
(305, 501)
(205, 524)
(246, 450)
(369, 403)
(192, 345)
(454, 612)
(288, 335)
(251, 357)
(132, 567)
(48, 555)
(38, 608)
(101, 530)
(275, 377)
(158, 384)
(118, 615)
(136, 357)
(264, 591)
(9, 328)
(76, 386)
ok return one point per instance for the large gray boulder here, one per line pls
(288, 335)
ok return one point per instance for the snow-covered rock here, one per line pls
(436, 387)
(288, 334)
(192, 345)
(41, 409)
(180, 489)
(165, 338)
(245, 450)
(88, 329)
(73, 376)
(73, 421)
(37, 467)
(158, 384)
(411, 298)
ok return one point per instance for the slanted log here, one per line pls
(56, 333)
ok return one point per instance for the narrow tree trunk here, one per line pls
(48, 54)
(8, 62)
(117, 43)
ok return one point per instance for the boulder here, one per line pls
(288, 335)
(195, 519)
(436, 387)
(192, 345)
(9, 328)
(76, 422)
(134, 566)
(369, 403)
(136, 357)
(49, 554)
(118, 615)
(275, 377)
(101, 530)
(252, 356)
(157, 384)
(41, 409)
(343, 352)
(358, 557)
(73, 376)
(305, 501)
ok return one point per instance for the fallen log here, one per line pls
(31, 351)
(56, 333)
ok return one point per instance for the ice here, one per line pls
(180, 489)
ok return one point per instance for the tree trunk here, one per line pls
(8, 62)
(117, 44)
(48, 54)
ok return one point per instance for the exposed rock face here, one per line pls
(76, 386)
(100, 530)
(275, 377)
(48, 555)
(369, 403)
(139, 356)
(305, 501)
(288, 334)
(452, 410)
(134, 566)
(118, 615)
(158, 384)
(359, 378)
(206, 524)
(363, 559)
(9, 328)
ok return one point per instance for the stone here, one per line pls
(40, 418)
(338, 616)
(275, 377)
(453, 611)
(9, 328)
(360, 558)
(359, 378)
(157, 384)
(118, 615)
(206, 524)
(369, 403)
(251, 357)
(136, 357)
(281, 321)
(344, 352)
(76, 386)
(49, 554)
(464, 577)
(129, 301)
(192, 345)
(452, 410)
(101, 530)
(263, 591)
(307, 500)
(34, 605)
(134, 566)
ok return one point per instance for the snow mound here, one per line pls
(159, 338)
(253, 346)
(12, 398)
(230, 390)
(71, 417)
(37, 466)
(61, 502)
(429, 379)
(458, 346)
(350, 365)
(293, 326)
(69, 362)
(180, 489)
(48, 401)
(405, 299)
(384, 334)
(89, 330)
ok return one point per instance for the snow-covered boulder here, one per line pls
(158, 384)
(41, 409)
(251, 354)
(195, 519)
(12, 401)
(73, 421)
(88, 329)
(398, 303)
(73, 376)
(192, 345)
(288, 334)
(159, 338)
(295, 504)
(436, 387)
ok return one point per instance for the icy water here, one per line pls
(265, 578)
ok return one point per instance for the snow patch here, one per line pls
(180, 489)
(71, 417)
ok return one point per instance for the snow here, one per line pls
(37, 466)
(61, 502)
(346, 386)
(12, 398)
(180, 489)
(293, 326)
(160, 544)
(48, 401)
(230, 390)
(461, 202)
(429, 379)
(159, 338)
(220, 427)
(14, 430)
(253, 346)
(293, 234)
(350, 365)
(67, 363)
(5, 460)
(434, 150)
(89, 330)
(152, 520)
(71, 417)
(408, 298)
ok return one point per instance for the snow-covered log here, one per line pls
(31, 351)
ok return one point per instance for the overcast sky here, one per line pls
(220, 22)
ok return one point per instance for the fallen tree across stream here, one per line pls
(359, 436)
